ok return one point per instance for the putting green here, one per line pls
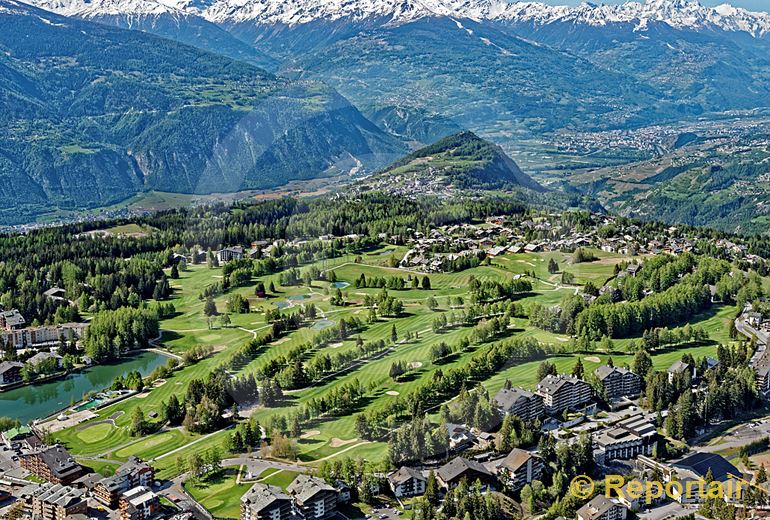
(95, 433)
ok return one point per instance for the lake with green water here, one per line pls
(38, 401)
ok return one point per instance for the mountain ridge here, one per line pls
(682, 14)
(107, 113)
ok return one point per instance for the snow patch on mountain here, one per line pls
(680, 14)
(100, 8)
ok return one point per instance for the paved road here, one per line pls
(255, 466)
(741, 436)
(747, 330)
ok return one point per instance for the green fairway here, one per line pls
(335, 436)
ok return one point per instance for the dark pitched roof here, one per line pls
(261, 496)
(516, 459)
(604, 371)
(59, 461)
(5, 366)
(405, 474)
(305, 487)
(455, 469)
(678, 367)
(700, 463)
(552, 384)
(508, 397)
(56, 494)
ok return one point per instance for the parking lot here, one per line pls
(384, 514)
(668, 511)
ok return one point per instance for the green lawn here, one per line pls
(281, 478)
(219, 494)
(336, 436)
(95, 433)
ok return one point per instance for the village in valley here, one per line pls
(389, 374)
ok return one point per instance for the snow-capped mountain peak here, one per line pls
(298, 12)
(681, 14)
(105, 8)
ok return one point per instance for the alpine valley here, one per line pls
(251, 94)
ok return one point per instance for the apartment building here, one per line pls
(618, 382)
(52, 464)
(314, 499)
(562, 392)
(407, 482)
(57, 502)
(625, 440)
(521, 403)
(264, 502)
(519, 468)
(132, 474)
(602, 508)
(139, 503)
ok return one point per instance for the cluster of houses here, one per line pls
(509, 235)
(65, 489)
(624, 441)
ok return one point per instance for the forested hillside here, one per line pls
(106, 113)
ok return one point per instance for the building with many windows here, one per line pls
(618, 382)
(11, 320)
(602, 508)
(521, 403)
(407, 482)
(139, 503)
(563, 392)
(52, 464)
(45, 336)
(131, 474)
(314, 499)
(57, 502)
(625, 440)
(519, 468)
(10, 372)
(263, 502)
(229, 253)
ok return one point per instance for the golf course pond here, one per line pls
(38, 401)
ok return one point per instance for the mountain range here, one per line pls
(682, 14)
(251, 93)
(106, 113)
(494, 67)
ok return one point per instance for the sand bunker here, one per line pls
(335, 345)
(415, 364)
(338, 443)
(593, 359)
(311, 433)
(392, 392)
